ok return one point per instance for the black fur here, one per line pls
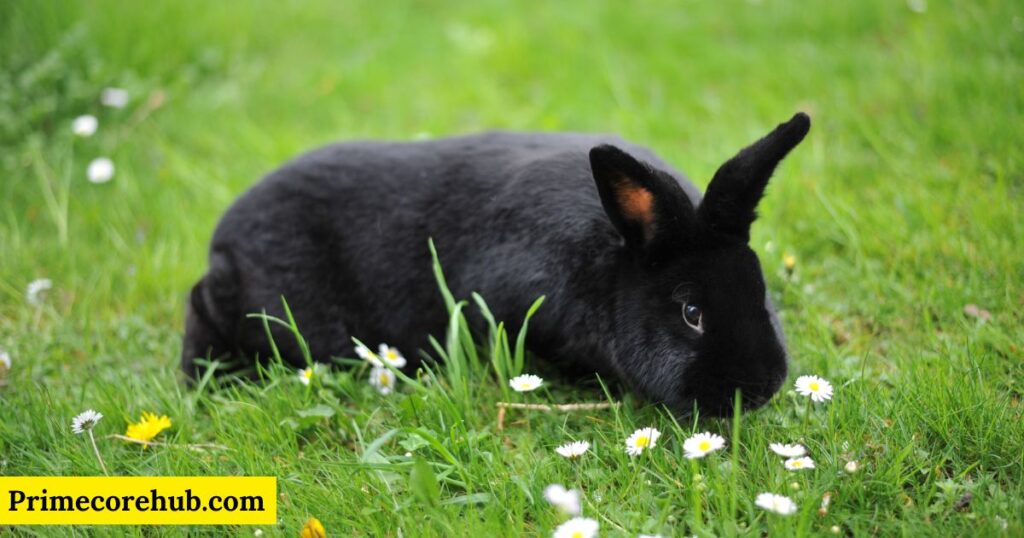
(342, 234)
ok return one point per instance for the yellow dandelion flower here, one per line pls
(313, 529)
(149, 427)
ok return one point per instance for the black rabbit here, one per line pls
(644, 280)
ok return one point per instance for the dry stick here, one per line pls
(564, 408)
(557, 407)
(198, 447)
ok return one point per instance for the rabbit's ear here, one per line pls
(646, 206)
(731, 199)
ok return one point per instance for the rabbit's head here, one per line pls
(692, 321)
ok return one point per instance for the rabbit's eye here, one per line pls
(692, 315)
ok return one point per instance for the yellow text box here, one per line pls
(138, 500)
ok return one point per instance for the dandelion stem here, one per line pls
(96, 450)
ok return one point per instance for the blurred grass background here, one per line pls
(902, 206)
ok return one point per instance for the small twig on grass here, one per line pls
(550, 408)
(198, 447)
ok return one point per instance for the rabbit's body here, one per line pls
(341, 233)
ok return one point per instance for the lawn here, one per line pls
(900, 215)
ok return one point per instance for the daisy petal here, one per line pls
(577, 527)
(566, 500)
(779, 504)
(383, 379)
(85, 421)
(641, 440)
(788, 451)
(574, 449)
(525, 383)
(798, 464)
(818, 389)
(702, 444)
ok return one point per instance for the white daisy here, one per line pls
(574, 449)
(306, 375)
(100, 170)
(851, 466)
(702, 444)
(577, 527)
(788, 451)
(391, 356)
(114, 97)
(641, 440)
(525, 383)
(367, 355)
(5, 359)
(84, 125)
(817, 388)
(35, 289)
(566, 500)
(780, 504)
(797, 464)
(383, 379)
(85, 421)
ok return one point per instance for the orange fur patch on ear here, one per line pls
(637, 204)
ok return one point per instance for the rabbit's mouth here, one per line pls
(715, 394)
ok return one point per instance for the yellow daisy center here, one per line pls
(643, 441)
(385, 379)
(704, 445)
(577, 534)
(798, 463)
(308, 373)
(814, 386)
(391, 355)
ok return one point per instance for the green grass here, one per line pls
(902, 206)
